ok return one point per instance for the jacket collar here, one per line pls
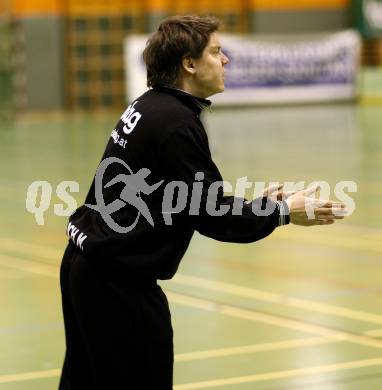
(197, 104)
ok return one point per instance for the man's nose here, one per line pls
(225, 59)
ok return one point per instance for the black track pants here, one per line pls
(117, 336)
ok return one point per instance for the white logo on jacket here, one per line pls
(72, 231)
(117, 139)
(130, 118)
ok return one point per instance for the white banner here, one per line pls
(272, 72)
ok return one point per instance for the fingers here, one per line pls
(330, 211)
(311, 190)
(287, 194)
(328, 222)
(330, 204)
(305, 209)
(318, 222)
(276, 192)
(270, 190)
(329, 217)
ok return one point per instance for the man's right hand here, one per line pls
(306, 210)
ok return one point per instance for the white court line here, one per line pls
(261, 295)
(256, 348)
(52, 271)
(280, 374)
(333, 336)
(191, 356)
(363, 239)
(270, 319)
(251, 349)
(248, 292)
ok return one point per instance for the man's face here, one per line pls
(209, 69)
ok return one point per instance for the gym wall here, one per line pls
(68, 53)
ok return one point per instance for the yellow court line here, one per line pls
(352, 241)
(280, 374)
(273, 346)
(350, 233)
(4, 276)
(225, 381)
(214, 353)
(52, 271)
(330, 336)
(49, 253)
(255, 348)
(30, 266)
(42, 251)
(310, 305)
(374, 333)
(280, 299)
(26, 376)
(189, 356)
(270, 319)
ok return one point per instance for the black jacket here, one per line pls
(161, 131)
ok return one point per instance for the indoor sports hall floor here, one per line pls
(299, 310)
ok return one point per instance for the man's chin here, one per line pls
(220, 90)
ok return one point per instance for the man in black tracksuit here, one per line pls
(156, 184)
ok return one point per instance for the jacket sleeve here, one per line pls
(185, 157)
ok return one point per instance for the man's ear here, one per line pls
(188, 65)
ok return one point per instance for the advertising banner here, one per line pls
(272, 71)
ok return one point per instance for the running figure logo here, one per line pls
(135, 183)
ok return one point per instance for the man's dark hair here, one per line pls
(177, 37)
